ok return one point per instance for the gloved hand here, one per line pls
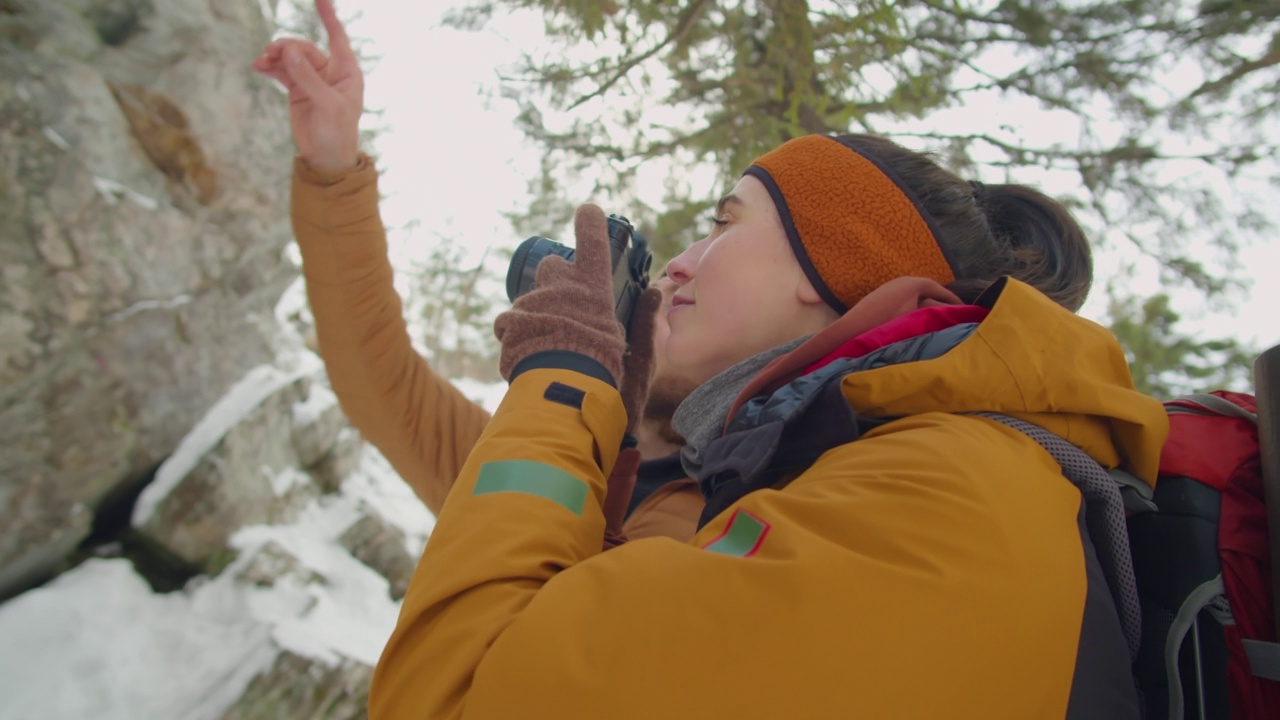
(570, 310)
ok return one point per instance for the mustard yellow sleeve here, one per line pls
(422, 424)
(526, 506)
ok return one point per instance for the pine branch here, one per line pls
(682, 28)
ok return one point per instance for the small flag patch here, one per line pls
(742, 537)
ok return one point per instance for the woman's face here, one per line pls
(670, 387)
(741, 290)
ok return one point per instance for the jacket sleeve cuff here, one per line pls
(308, 174)
(563, 360)
(336, 221)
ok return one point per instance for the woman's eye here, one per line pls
(719, 222)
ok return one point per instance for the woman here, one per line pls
(892, 556)
(871, 548)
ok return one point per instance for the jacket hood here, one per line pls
(1028, 358)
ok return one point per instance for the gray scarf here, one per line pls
(701, 417)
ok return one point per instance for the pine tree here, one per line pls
(1167, 362)
(710, 83)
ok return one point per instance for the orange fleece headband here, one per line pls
(852, 226)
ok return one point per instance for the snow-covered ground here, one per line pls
(97, 642)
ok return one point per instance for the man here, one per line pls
(422, 424)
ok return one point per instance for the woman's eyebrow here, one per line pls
(726, 200)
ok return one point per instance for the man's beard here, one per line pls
(665, 395)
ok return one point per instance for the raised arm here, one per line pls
(422, 424)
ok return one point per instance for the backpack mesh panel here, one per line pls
(1104, 516)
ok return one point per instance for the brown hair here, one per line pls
(990, 231)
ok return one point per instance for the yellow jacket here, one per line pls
(933, 568)
(423, 425)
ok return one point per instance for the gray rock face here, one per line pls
(245, 464)
(238, 468)
(143, 214)
(298, 687)
(382, 546)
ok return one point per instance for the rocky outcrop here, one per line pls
(143, 214)
(245, 463)
(383, 547)
(170, 452)
(298, 687)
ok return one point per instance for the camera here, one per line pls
(631, 260)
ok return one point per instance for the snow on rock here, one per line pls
(317, 419)
(350, 614)
(243, 398)
(320, 400)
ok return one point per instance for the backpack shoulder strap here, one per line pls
(1104, 516)
(1266, 381)
(1212, 404)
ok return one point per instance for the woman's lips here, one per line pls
(677, 303)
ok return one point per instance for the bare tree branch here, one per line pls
(1270, 59)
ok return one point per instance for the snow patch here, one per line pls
(349, 613)
(286, 480)
(319, 400)
(57, 140)
(112, 191)
(144, 305)
(293, 303)
(381, 489)
(97, 642)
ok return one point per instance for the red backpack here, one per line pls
(1195, 552)
(1202, 560)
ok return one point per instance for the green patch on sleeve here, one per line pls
(533, 478)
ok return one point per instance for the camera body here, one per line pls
(631, 261)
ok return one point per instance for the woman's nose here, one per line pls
(681, 267)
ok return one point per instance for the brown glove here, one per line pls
(567, 320)
(568, 316)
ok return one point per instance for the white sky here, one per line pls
(452, 161)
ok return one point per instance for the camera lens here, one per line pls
(524, 263)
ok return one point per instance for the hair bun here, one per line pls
(1047, 247)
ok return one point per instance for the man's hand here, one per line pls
(326, 93)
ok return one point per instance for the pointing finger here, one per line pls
(339, 43)
(591, 231)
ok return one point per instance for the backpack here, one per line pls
(1192, 565)
(1202, 561)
